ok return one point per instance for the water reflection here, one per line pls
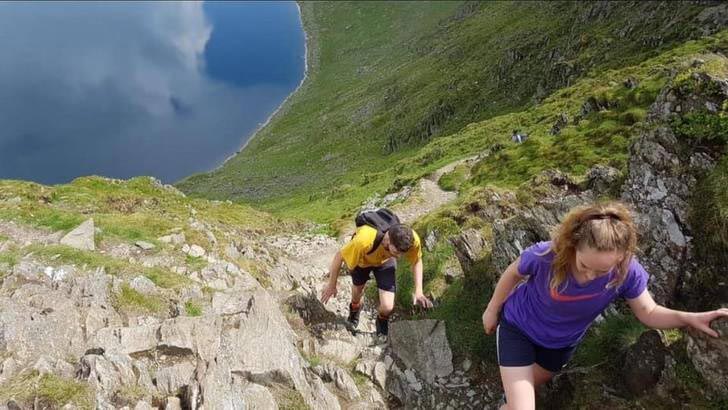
(139, 88)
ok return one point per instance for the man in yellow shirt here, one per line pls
(361, 260)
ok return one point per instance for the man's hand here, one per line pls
(328, 292)
(490, 321)
(422, 300)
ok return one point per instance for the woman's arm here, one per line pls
(506, 283)
(659, 317)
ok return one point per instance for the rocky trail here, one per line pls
(254, 340)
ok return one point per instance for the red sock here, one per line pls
(355, 306)
(383, 317)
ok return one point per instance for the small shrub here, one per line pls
(702, 127)
(193, 308)
(130, 299)
(452, 180)
(50, 391)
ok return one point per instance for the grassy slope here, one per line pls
(385, 80)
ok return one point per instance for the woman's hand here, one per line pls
(701, 320)
(328, 292)
(490, 321)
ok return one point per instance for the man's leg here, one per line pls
(386, 303)
(357, 292)
(359, 277)
(518, 385)
(387, 285)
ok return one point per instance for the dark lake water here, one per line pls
(139, 88)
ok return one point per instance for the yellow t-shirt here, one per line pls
(355, 251)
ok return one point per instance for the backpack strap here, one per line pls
(377, 241)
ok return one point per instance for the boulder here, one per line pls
(174, 239)
(143, 285)
(470, 248)
(423, 346)
(341, 379)
(144, 245)
(602, 179)
(125, 340)
(512, 236)
(82, 237)
(710, 355)
(644, 362)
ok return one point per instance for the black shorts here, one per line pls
(515, 349)
(383, 274)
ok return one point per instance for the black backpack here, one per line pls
(381, 220)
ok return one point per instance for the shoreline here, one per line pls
(285, 100)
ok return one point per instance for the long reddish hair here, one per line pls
(604, 227)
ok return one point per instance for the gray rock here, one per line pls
(339, 350)
(470, 248)
(230, 303)
(467, 363)
(196, 251)
(710, 355)
(343, 382)
(452, 270)
(144, 245)
(126, 340)
(173, 403)
(143, 405)
(602, 179)
(82, 237)
(31, 316)
(512, 236)
(175, 238)
(255, 396)
(644, 362)
(171, 379)
(108, 373)
(423, 346)
(561, 122)
(143, 285)
(430, 240)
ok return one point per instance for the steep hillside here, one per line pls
(385, 80)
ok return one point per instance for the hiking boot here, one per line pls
(354, 316)
(382, 326)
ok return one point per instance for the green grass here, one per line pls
(606, 341)
(51, 391)
(137, 209)
(390, 87)
(195, 263)
(9, 258)
(452, 180)
(131, 300)
(193, 308)
(65, 254)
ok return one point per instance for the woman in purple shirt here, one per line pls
(564, 285)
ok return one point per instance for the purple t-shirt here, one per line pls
(556, 320)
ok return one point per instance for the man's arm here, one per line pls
(419, 297)
(655, 316)
(330, 289)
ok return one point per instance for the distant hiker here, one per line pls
(379, 240)
(570, 280)
(517, 137)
